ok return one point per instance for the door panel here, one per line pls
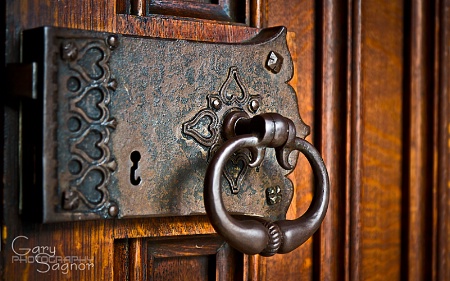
(200, 257)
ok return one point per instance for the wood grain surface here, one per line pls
(376, 130)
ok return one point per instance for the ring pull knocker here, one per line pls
(254, 236)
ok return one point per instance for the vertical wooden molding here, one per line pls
(230, 264)
(254, 268)
(375, 153)
(348, 135)
(258, 13)
(442, 252)
(121, 7)
(418, 143)
(354, 132)
(138, 7)
(138, 260)
(121, 260)
(331, 111)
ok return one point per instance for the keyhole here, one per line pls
(135, 157)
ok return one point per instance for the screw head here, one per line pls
(113, 210)
(70, 200)
(69, 51)
(73, 84)
(113, 41)
(274, 62)
(273, 195)
(112, 84)
(75, 166)
(254, 105)
(216, 103)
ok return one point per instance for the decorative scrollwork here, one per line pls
(89, 124)
(233, 90)
(204, 127)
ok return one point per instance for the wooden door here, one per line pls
(372, 80)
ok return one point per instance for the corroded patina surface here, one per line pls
(129, 123)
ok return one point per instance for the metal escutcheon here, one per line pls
(253, 235)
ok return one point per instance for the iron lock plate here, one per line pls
(124, 126)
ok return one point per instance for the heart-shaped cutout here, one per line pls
(203, 127)
(232, 90)
(235, 171)
(90, 145)
(90, 62)
(89, 186)
(90, 104)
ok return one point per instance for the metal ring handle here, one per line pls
(252, 236)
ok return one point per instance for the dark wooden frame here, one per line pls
(231, 11)
(137, 259)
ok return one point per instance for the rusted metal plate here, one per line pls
(124, 126)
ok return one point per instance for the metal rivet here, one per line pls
(73, 84)
(69, 51)
(273, 195)
(70, 200)
(74, 167)
(113, 210)
(113, 41)
(216, 104)
(254, 105)
(274, 62)
(112, 84)
(73, 124)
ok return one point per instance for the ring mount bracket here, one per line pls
(266, 237)
(121, 127)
